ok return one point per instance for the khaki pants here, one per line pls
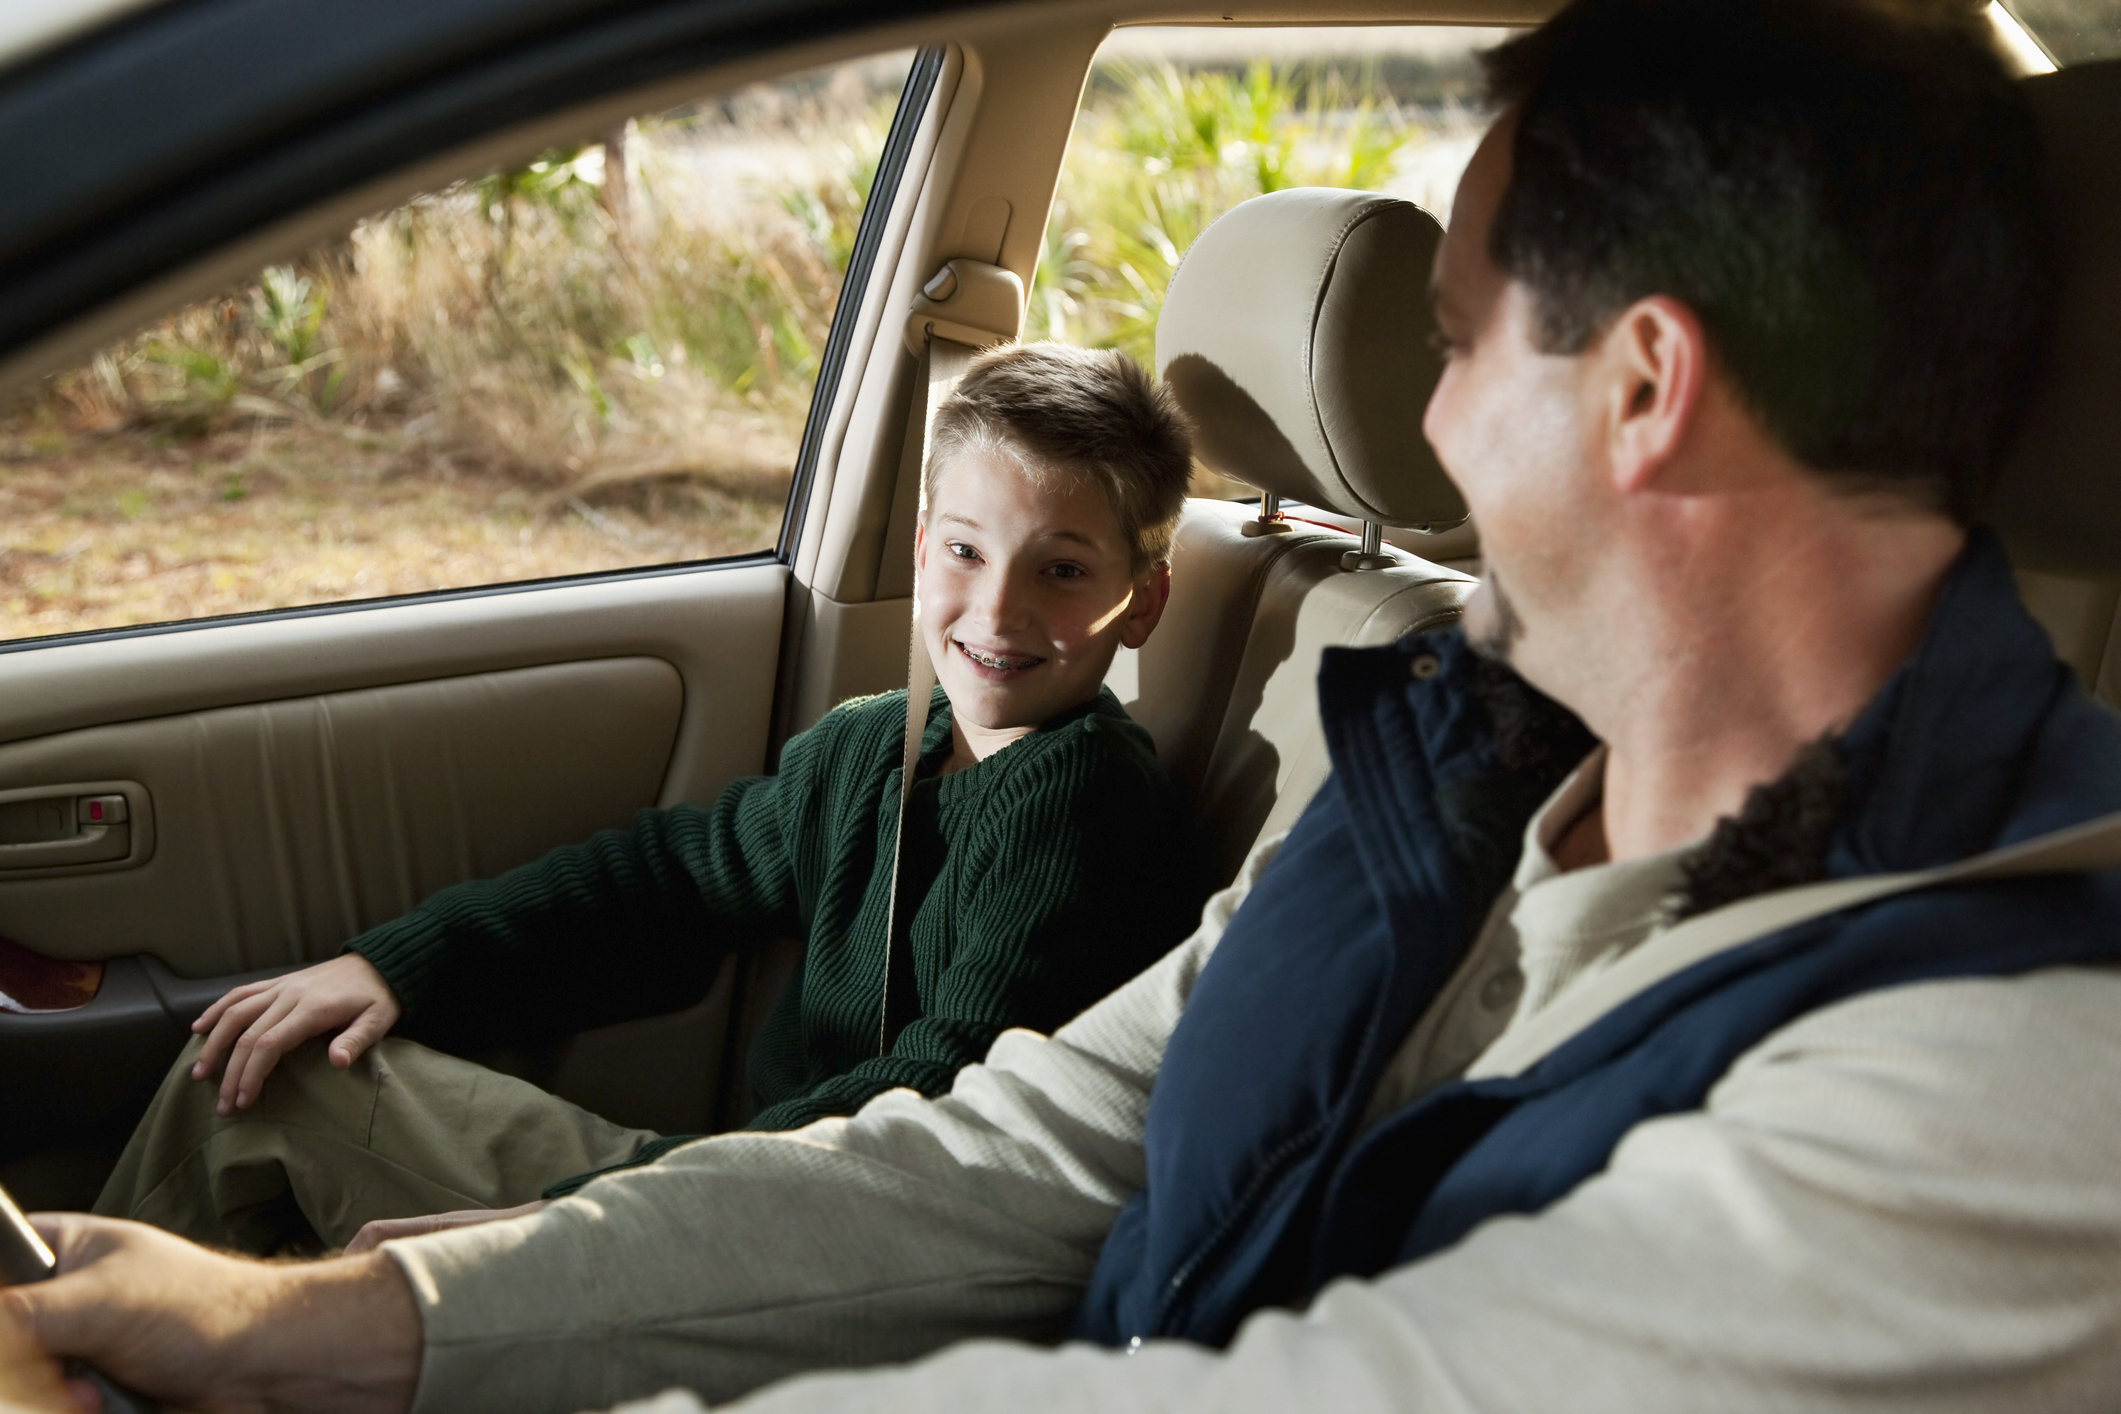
(405, 1132)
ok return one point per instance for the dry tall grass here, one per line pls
(586, 363)
(574, 366)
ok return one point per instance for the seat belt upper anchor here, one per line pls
(968, 302)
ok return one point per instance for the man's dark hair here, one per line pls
(1845, 192)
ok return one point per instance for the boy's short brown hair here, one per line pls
(1091, 413)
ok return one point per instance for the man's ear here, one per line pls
(1655, 359)
(1151, 592)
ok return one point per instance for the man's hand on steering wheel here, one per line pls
(29, 1379)
(256, 1024)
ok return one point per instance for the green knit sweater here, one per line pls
(1046, 875)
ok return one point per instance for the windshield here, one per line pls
(2073, 31)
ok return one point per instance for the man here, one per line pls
(1740, 299)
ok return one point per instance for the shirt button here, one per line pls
(1502, 989)
(1134, 1345)
(1424, 666)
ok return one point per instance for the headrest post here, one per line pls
(1270, 520)
(1372, 555)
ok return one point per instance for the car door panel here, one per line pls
(285, 828)
(311, 774)
(291, 778)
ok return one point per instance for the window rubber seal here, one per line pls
(869, 237)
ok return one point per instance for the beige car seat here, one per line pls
(1296, 334)
(2059, 502)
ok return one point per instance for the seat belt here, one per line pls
(942, 363)
(966, 306)
(2093, 845)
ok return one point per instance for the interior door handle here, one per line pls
(76, 827)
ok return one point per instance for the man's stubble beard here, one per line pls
(1504, 628)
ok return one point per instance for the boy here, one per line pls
(1048, 854)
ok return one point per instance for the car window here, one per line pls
(1180, 124)
(600, 360)
(2072, 31)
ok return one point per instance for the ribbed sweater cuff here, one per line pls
(405, 951)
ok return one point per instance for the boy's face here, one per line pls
(1026, 590)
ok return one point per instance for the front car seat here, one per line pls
(1297, 336)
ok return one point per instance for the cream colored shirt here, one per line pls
(1545, 930)
(1907, 1201)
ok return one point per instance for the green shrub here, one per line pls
(1159, 152)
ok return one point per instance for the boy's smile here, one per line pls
(1026, 590)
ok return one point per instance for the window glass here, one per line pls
(2073, 31)
(1178, 125)
(597, 361)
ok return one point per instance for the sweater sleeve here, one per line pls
(1085, 870)
(627, 923)
(747, 1257)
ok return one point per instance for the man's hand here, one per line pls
(375, 1234)
(29, 1379)
(256, 1024)
(201, 1331)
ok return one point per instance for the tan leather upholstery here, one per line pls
(1228, 683)
(1297, 333)
(2059, 502)
(1270, 754)
(1178, 686)
(284, 828)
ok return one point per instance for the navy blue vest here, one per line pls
(1260, 1191)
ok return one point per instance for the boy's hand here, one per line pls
(374, 1234)
(256, 1024)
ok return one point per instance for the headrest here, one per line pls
(2058, 503)
(1297, 335)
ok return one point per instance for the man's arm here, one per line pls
(732, 1262)
(1907, 1201)
(197, 1330)
(741, 1259)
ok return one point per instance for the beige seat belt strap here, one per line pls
(2093, 845)
(942, 364)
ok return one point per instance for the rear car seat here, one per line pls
(2058, 504)
(1296, 334)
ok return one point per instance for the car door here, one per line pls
(187, 804)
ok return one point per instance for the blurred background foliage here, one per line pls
(1161, 149)
(521, 323)
(604, 357)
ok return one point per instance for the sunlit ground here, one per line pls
(126, 531)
